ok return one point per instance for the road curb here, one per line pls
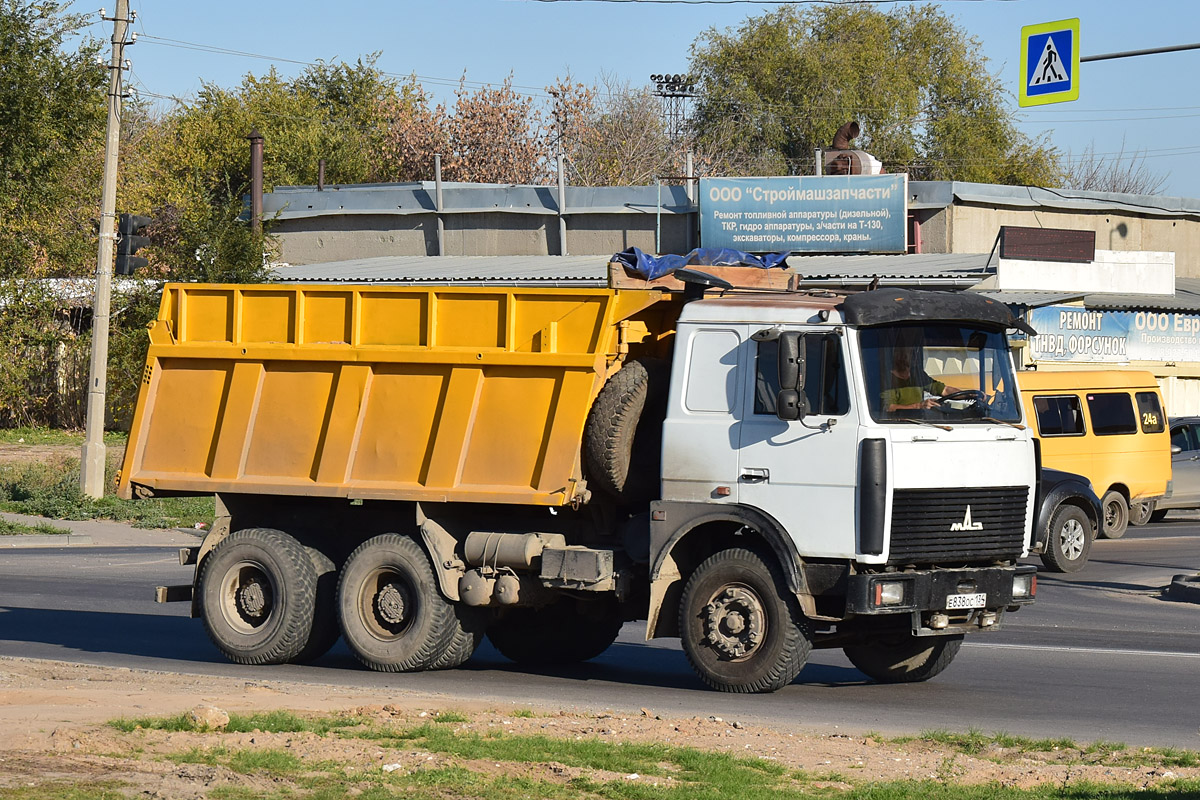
(45, 540)
(1185, 588)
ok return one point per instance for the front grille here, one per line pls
(922, 522)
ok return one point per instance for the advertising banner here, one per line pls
(1070, 333)
(831, 214)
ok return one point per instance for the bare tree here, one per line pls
(1098, 172)
(616, 136)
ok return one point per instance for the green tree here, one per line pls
(51, 126)
(782, 83)
(189, 168)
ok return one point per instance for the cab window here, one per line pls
(1112, 413)
(825, 383)
(1058, 416)
(1150, 412)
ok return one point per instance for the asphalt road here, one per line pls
(1100, 656)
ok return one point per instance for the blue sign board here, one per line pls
(1049, 63)
(1070, 333)
(834, 214)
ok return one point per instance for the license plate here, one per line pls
(978, 600)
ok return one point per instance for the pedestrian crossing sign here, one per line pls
(1049, 63)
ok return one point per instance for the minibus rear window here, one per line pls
(1150, 412)
(1112, 414)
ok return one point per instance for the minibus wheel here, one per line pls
(1116, 515)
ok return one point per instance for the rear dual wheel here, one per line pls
(258, 591)
(267, 599)
(393, 615)
(566, 631)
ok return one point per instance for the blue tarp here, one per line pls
(651, 267)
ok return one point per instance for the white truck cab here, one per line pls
(889, 496)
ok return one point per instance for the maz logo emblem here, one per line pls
(966, 524)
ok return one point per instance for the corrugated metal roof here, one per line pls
(1186, 299)
(1031, 299)
(941, 269)
(939, 194)
(496, 270)
(914, 265)
(593, 270)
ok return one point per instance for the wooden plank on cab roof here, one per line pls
(775, 279)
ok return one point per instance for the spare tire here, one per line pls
(623, 436)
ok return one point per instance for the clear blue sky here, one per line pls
(1151, 101)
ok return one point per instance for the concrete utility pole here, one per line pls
(91, 478)
(256, 180)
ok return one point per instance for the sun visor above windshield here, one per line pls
(890, 306)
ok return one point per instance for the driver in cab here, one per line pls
(909, 388)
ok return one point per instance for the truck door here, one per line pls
(699, 456)
(804, 472)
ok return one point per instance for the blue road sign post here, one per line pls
(1049, 63)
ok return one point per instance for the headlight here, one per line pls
(1024, 587)
(889, 593)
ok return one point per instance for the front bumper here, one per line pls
(942, 601)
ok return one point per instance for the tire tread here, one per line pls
(797, 641)
(297, 627)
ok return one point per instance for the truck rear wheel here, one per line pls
(257, 593)
(1116, 515)
(565, 632)
(468, 634)
(393, 616)
(325, 631)
(623, 436)
(741, 630)
(904, 658)
(1068, 540)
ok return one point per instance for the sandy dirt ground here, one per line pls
(12, 453)
(53, 715)
(53, 727)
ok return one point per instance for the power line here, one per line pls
(540, 94)
(767, 2)
(532, 91)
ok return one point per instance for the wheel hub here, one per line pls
(1072, 539)
(389, 605)
(252, 599)
(734, 622)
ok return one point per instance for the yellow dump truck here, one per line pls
(412, 468)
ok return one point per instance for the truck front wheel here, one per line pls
(393, 616)
(257, 593)
(741, 630)
(904, 658)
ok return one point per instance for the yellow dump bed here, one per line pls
(437, 394)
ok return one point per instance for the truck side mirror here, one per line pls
(791, 402)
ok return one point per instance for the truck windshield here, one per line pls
(939, 373)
